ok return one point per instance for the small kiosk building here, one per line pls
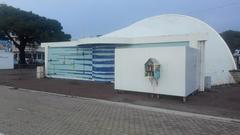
(167, 54)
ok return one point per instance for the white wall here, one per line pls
(218, 58)
(192, 80)
(6, 60)
(129, 68)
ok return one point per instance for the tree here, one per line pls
(232, 38)
(26, 28)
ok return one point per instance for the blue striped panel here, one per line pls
(103, 63)
(90, 62)
(111, 62)
(70, 62)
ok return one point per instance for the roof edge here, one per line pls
(128, 41)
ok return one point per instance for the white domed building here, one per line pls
(184, 51)
(218, 58)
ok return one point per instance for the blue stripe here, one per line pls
(102, 57)
(73, 64)
(79, 59)
(84, 46)
(104, 47)
(76, 73)
(104, 62)
(105, 69)
(70, 70)
(103, 78)
(109, 73)
(101, 51)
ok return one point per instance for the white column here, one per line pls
(201, 46)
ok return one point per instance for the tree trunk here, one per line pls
(22, 59)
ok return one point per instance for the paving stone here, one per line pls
(25, 112)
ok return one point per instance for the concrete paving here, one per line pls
(26, 112)
(220, 101)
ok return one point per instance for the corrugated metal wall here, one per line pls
(90, 62)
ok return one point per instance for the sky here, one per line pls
(88, 18)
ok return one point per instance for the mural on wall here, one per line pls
(90, 62)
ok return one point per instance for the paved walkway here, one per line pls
(220, 101)
(25, 112)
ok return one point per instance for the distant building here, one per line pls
(33, 55)
(6, 56)
(5, 45)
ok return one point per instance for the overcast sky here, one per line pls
(84, 18)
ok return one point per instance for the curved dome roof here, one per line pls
(218, 58)
(167, 24)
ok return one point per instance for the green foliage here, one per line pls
(29, 28)
(232, 38)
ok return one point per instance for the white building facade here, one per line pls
(219, 59)
(6, 60)
(186, 49)
(6, 57)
